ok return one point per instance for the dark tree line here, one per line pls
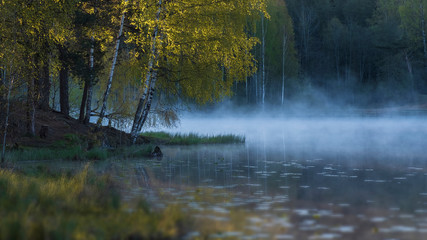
(355, 52)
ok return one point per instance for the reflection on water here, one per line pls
(305, 178)
(294, 179)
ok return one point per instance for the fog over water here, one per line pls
(294, 178)
(333, 177)
(361, 136)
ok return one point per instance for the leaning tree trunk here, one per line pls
(110, 78)
(145, 101)
(83, 103)
(89, 103)
(90, 84)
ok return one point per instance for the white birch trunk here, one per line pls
(110, 78)
(145, 101)
(263, 60)
(90, 83)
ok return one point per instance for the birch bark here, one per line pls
(110, 78)
(263, 30)
(90, 84)
(145, 101)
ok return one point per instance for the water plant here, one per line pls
(193, 138)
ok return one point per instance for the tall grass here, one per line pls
(82, 206)
(68, 153)
(77, 153)
(192, 138)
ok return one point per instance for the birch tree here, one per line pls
(94, 32)
(111, 74)
(187, 44)
(263, 33)
(37, 27)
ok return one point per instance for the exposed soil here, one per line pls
(59, 125)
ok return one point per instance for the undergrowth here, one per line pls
(73, 147)
(77, 206)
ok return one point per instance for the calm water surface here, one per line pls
(301, 178)
(293, 178)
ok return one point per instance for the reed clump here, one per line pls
(193, 138)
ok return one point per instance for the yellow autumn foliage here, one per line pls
(202, 45)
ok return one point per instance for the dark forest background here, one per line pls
(362, 53)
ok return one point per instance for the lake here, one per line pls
(310, 178)
(294, 178)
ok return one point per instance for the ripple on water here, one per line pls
(378, 219)
(265, 206)
(325, 236)
(220, 210)
(226, 235)
(253, 185)
(283, 236)
(421, 211)
(400, 178)
(415, 168)
(302, 212)
(401, 229)
(258, 236)
(344, 229)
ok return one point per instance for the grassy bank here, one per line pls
(77, 152)
(77, 206)
(192, 138)
(73, 147)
